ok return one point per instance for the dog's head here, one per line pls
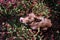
(36, 21)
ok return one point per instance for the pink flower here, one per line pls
(58, 2)
(1, 1)
(11, 1)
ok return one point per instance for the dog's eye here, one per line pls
(37, 20)
(29, 22)
(29, 17)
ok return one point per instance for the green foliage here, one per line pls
(41, 8)
(12, 12)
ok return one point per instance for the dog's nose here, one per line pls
(21, 19)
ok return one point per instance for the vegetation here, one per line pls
(11, 28)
